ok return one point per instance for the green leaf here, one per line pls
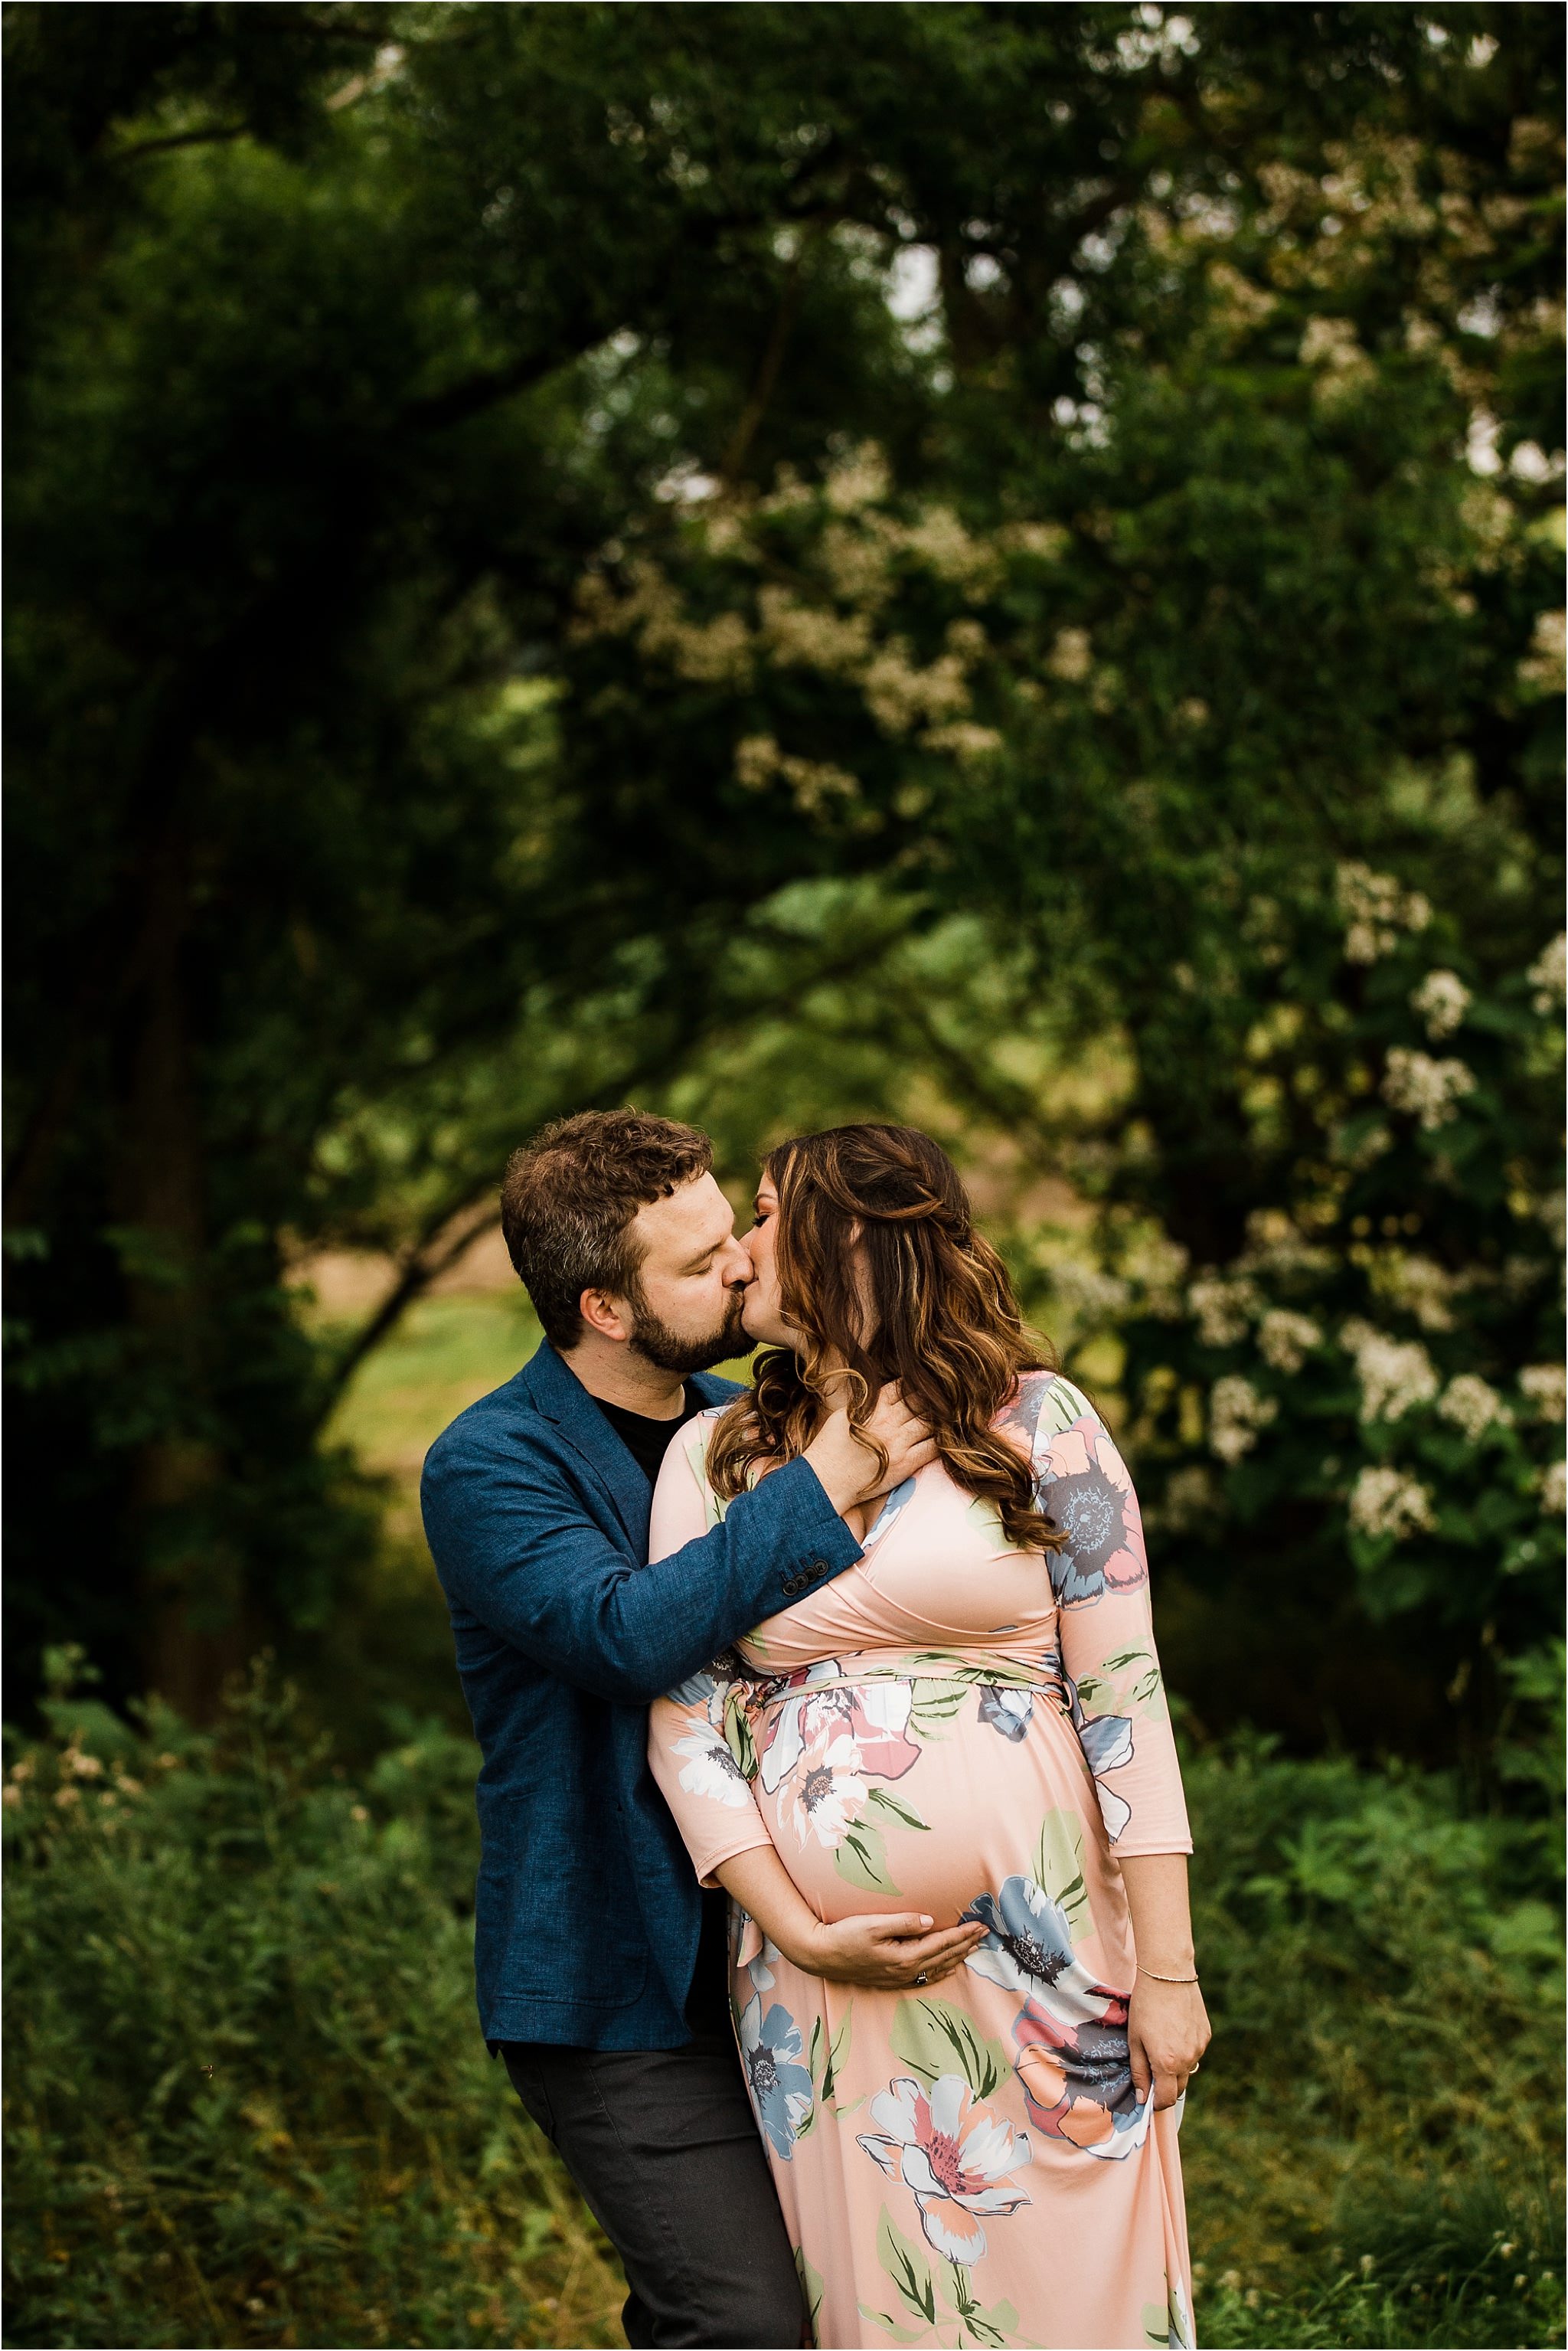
(810, 2288)
(940, 1701)
(909, 2270)
(862, 1858)
(838, 2054)
(738, 1737)
(901, 1811)
(880, 2318)
(933, 2038)
(1058, 1868)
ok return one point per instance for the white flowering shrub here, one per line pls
(1441, 1002)
(1387, 1503)
(1472, 1406)
(1286, 1340)
(1430, 1090)
(1370, 1380)
(1313, 1098)
(1236, 1411)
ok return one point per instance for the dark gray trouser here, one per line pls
(665, 2148)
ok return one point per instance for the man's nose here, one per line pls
(740, 1268)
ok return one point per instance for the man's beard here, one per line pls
(657, 1344)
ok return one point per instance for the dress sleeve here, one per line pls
(688, 1751)
(1101, 1578)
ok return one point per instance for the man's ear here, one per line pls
(602, 1313)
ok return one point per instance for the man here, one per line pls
(602, 1968)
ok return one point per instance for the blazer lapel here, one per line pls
(560, 1395)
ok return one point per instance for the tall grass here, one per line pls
(246, 2102)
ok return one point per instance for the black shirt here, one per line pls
(646, 1440)
(707, 2004)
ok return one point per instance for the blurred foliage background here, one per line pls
(986, 564)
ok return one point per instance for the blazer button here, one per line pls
(819, 1567)
(791, 1584)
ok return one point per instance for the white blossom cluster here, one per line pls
(1285, 1340)
(1387, 1501)
(1376, 908)
(1472, 1406)
(1548, 975)
(1222, 1308)
(1542, 664)
(1554, 1490)
(1236, 1413)
(1417, 1285)
(1157, 1265)
(1071, 656)
(1396, 1375)
(1442, 1001)
(1190, 1498)
(1088, 1290)
(964, 739)
(1429, 1089)
(1276, 1245)
(865, 550)
(1546, 1386)
(812, 782)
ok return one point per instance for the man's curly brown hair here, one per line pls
(569, 1199)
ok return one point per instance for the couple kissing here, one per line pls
(831, 1919)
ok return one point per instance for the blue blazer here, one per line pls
(588, 1908)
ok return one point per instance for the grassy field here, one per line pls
(445, 1354)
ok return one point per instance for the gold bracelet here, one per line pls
(1159, 1979)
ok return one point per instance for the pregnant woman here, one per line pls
(969, 1725)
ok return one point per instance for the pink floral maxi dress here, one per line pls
(957, 1726)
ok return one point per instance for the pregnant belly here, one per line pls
(872, 1809)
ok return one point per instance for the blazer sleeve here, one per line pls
(516, 1547)
(1101, 1578)
(699, 1776)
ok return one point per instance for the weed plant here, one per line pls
(247, 2103)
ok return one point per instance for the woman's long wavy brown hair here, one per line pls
(885, 1206)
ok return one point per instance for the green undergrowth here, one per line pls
(247, 2103)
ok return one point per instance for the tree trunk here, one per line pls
(194, 1632)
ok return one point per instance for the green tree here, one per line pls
(380, 365)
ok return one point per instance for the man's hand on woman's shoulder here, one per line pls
(855, 1465)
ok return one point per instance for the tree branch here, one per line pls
(180, 139)
(761, 391)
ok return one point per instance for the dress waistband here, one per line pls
(760, 1718)
(954, 1666)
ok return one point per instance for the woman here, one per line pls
(969, 1721)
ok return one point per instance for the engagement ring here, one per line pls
(921, 1977)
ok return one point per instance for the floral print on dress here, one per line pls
(1078, 2080)
(876, 1718)
(1107, 1743)
(955, 2153)
(970, 2169)
(1006, 1709)
(1029, 1949)
(826, 1793)
(772, 2050)
(1084, 1489)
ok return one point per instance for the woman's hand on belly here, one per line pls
(877, 1951)
(886, 1954)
